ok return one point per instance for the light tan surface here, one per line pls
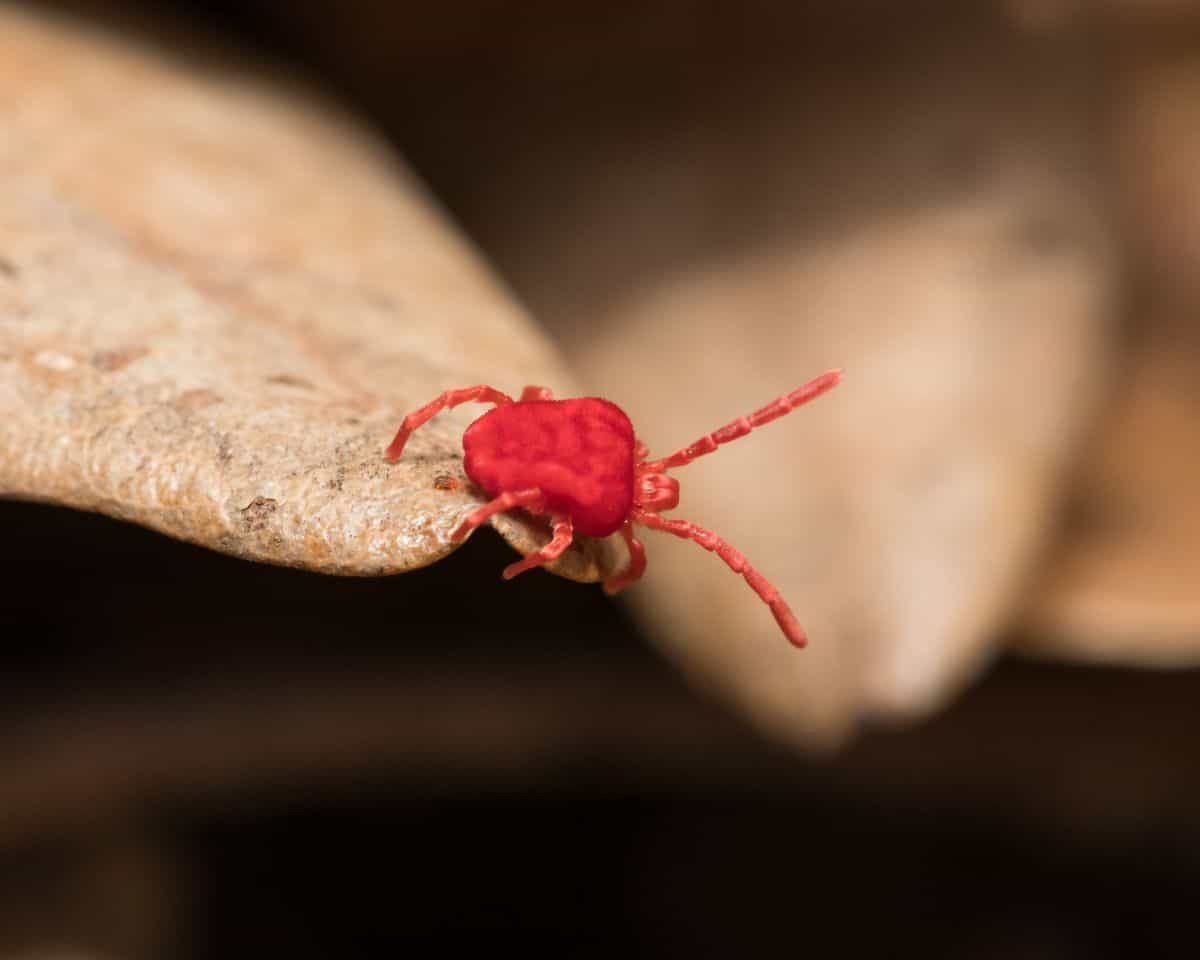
(898, 514)
(217, 299)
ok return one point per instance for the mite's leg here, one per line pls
(451, 398)
(563, 532)
(637, 562)
(738, 563)
(536, 393)
(530, 499)
(743, 425)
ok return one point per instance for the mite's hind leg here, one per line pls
(637, 562)
(738, 563)
(451, 398)
(564, 531)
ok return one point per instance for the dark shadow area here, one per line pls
(516, 768)
(685, 873)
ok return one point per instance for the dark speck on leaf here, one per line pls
(288, 380)
(256, 512)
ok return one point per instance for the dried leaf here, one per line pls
(900, 513)
(217, 298)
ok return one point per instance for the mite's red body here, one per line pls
(579, 462)
(579, 453)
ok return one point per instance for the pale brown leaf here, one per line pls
(217, 299)
(900, 513)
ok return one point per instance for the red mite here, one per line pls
(579, 462)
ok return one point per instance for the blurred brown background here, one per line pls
(988, 213)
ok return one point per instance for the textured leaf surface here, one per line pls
(216, 301)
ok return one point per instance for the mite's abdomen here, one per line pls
(578, 452)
